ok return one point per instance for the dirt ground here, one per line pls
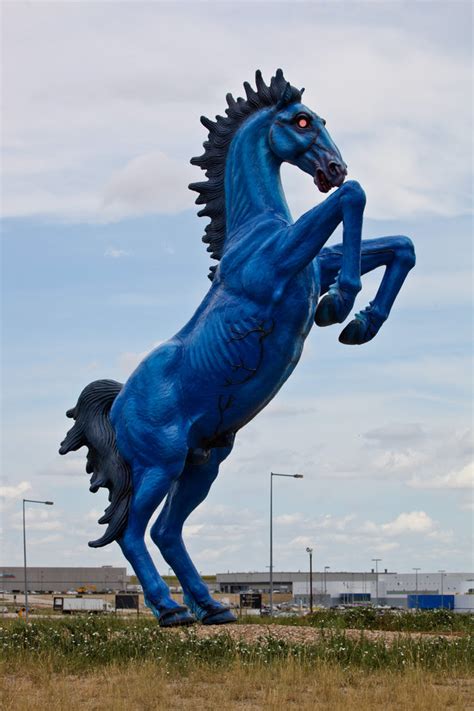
(294, 634)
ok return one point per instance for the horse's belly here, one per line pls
(239, 404)
(242, 367)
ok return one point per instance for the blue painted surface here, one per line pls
(176, 417)
(431, 602)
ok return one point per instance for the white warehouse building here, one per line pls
(387, 588)
(336, 588)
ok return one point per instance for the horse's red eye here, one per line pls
(303, 122)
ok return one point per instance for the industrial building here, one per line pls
(343, 588)
(329, 588)
(43, 579)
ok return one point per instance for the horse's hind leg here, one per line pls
(185, 495)
(153, 485)
(397, 255)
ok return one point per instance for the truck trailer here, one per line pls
(71, 605)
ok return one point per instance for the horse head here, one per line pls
(299, 136)
(294, 133)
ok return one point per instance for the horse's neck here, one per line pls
(252, 184)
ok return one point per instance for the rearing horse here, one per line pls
(167, 430)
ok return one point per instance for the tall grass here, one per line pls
(149, 686)
(79, 644)
(367, 618)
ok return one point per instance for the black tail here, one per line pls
(94, 430)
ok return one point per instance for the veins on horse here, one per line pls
(240, 336)
(223, 407)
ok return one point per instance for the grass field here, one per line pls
(115, 663)
(369, 618)
(285, 685)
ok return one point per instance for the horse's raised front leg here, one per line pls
(154, 483)
(397, 254)
(185, 495)
(308, 236)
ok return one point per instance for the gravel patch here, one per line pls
(252, 634)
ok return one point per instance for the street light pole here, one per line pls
(442, 573)
(310, 551)
(377, 561)
(289, 476)
(28, 501)
(326, 568)
(416, 585)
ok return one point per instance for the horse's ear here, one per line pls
(285, 97)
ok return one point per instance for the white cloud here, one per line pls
(325, 534)
(422, 288)
(38, 519)
(289, 519)
(192, 529)
(45, 540)
(333, 523)
(278, 409)
(451, 370)
(302, 542)
(441, 536)
(93, 515)
(70, 468)
(114, 112)
(16, 491)
(47, 201)
(149, 183)
(399, 461)
(211, 556)
(413, 522)
(386, 547)
(398, 432)
(116, 253)
(404, 523)
(457, 479)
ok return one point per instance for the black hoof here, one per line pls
(221, 617)
(357, 332)
(178, 617)
(326, 313)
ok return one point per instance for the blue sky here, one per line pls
(102, 259)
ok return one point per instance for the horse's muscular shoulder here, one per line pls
(252, 266)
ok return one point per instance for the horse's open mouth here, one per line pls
(321, 181)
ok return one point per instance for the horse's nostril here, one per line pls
(334, 168)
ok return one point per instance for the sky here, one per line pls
(102, 260)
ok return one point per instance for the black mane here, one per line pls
(211, 192)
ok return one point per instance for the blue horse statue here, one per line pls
(165, 432)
